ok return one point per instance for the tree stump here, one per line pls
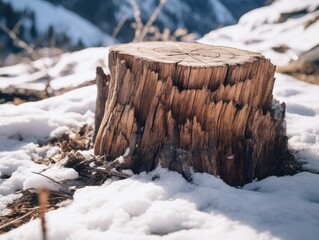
(196, 106)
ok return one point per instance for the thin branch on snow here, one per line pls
(65, 188)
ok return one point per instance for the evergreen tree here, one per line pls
(51, 37)
(33, 29)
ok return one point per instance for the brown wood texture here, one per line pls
(102, 81)
(192, 106)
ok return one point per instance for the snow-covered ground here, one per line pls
(161, 204)
(71, 69)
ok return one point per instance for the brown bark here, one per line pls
(192, 105)
(102, 82)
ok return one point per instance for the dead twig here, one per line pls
(64, 189)
(150, 32)
(140, 30)
(119, 26)
(97, 173)
(151, 20)
(17, 26)
(113, 173)
(18, 41)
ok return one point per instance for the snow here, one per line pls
(171, 207)
(68, 70)
(260, 30)
(63, 21)
(272, 13)
(37, 121)
(302, 116)
(127, 152)
(56, 173)
(162, 204)
(23, 127)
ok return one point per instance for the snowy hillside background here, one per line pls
(72, 25)
(202, 16)
(162, 204)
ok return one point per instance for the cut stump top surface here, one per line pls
(187, 54)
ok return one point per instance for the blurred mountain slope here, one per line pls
(196, 16)
(43, 24)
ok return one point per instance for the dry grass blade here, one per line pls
(43, 202)
(17, 26)
(119, 25)
(151, 20)
(137, 17)
(148, 32)
(16, 220)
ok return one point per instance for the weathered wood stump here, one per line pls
(187, 105)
